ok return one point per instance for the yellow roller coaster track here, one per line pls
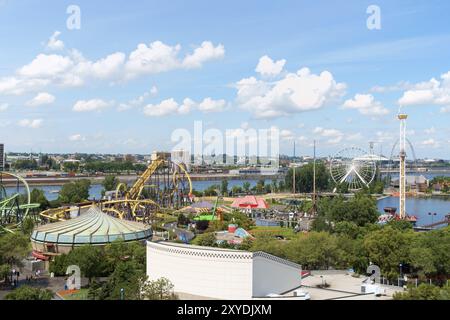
(131, 197)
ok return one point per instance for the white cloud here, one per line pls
(46, 66)
(433, 92)
(31, 123)
(210, 105)
(90, 105)
(430, 143)
(4, 107)
(445, 109)
(267, 67)
(17, 86)
(286, 134)
(431, 130)
(54, 43)
(366, 105)
(40, 99)
(76, 137)
(334, 136)
(207, 51)
(74, 69)
(138, 101)
(166, 107)
(172, 107)
(296, 92)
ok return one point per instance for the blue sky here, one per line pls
(136, 71)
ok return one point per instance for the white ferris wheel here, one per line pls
(354, 167)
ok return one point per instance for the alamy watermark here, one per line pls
(253, 147)
(73, 22)
(374, 20)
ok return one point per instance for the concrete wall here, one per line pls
(273, 275)
(208, 272)
(220, 273)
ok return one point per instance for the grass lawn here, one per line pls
(76, 295)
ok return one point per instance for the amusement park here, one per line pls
(162, 213)
(259, 152)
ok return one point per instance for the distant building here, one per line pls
(2, 156)
(414, 183)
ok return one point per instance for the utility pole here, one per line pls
(293, 171)
(314, 180)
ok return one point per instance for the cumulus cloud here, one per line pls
(333, 136)
(366, 105)
(445, 109)
(430, 143)
(206, 52)
(172, 107)
(54, 43)
(40, 99)
(77, 137)
(165, 107)
(267, 67)
(73, 69)
(31, 123)
(294, 93)
(210, 105)
(431, 130)
(432, 92)
(138, 101)
(90, 105)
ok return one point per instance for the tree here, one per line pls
(36, 196)
(360, 210)
(161, 289)
(90, 259)
(388, 248)
(13, 248)
(424, 292)
(71, 166)
(75, 192)
(316, 250)
(29, 293)
(127, 276)
(260, 186)
(5, 271)
(236, 190)
(207, 240)
(28, 225)
(246, 186)
(224, 187)
(304, 178)
(110, 183)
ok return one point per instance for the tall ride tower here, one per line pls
(402, 182)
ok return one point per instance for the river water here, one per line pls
(51, 192)
(419, 207)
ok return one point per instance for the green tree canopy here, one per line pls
(29, 293)
(304, 178)
(75, 192)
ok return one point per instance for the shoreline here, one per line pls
(53, 181)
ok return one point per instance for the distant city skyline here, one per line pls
(131, 75)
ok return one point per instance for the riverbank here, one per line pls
(95, 180)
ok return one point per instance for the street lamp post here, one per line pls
(432, 216)
(400, 266)
(122, 294)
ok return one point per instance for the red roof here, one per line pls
(250, 202)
